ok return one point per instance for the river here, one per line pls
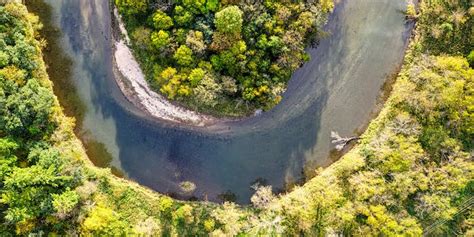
(340, 89)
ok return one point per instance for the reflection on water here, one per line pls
(336, 90)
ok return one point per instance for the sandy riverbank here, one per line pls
(134, 86)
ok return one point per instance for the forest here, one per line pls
(226, 58)
(412, 172)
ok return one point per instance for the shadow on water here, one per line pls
(59, 68)
(59, 64)
(336, 90)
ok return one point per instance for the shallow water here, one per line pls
(337, 90)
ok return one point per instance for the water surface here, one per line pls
(337, 90)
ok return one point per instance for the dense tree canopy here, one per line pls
(36, 180)
(411, 173)
(451, 26)
(254, 46)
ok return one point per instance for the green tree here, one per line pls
(229, 85)
(160, 39)
(207, 91)
(65, 203)
(4, 59)
(212, 5)
(173, 83)
(131, 7)
(196, 76)
(183, 56)
(14, 74)
(182, 16)
(161, 21)
(142, 37)
(8, 160)
(166, 75)
(196, 6)
(195, 40)
(27, 192)
(103, 221)
(229, 20)
(27, 112)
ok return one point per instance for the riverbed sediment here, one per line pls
(132, 83)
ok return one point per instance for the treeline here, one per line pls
(36, 178)
(223, 57)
